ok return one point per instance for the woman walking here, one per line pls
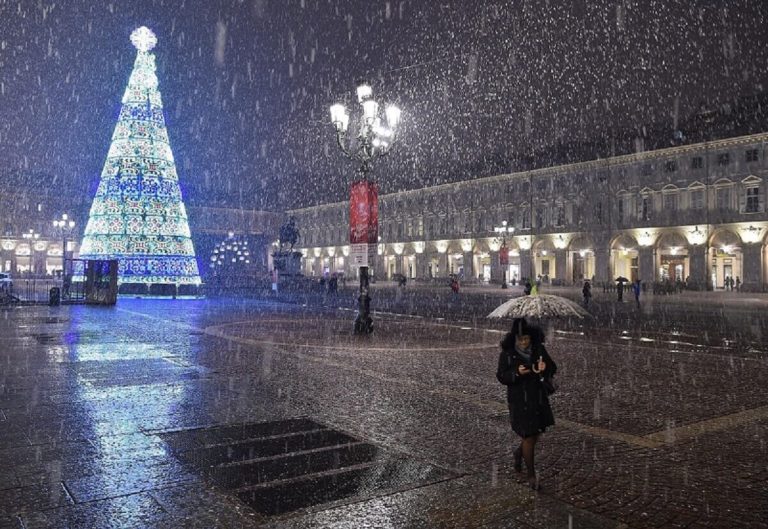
(524, 367)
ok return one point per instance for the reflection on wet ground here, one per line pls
(241, 413)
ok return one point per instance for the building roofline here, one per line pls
(577, 166)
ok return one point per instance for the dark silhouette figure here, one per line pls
(523, 366)
(620, 291)
(528, 287)
(586, 291)
(455, 287)
(636, 291)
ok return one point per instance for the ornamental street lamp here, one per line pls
(65, 225)
(503, 252)
(31, 235)
(373, 141)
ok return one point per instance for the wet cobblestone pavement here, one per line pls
(216, 413)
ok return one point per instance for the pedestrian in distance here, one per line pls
(620, 291)
(738, 284)
(525, 367)
(527, 288)
(636, 291)
(455, 287)
(586, 291)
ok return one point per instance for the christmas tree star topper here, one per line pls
(143, 38)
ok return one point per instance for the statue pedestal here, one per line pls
(287, 263)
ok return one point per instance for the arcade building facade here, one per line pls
(696, 213)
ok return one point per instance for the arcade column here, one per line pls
(495, 268)
(526, 264)
(442, 263)
(603, 265)
(753, 267)
(647, 265)
(561, 266)
(698, 267)
(420, 265)
(469, 268)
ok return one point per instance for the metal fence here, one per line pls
(38, 290)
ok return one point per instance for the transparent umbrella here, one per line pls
(541, 306)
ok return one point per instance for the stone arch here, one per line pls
(671, 239)
(581, 242)
(544, 243)
(725, 257)
(623, 241)
(724, 237)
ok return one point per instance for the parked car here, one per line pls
(6, 282)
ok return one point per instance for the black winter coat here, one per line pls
(529, 409)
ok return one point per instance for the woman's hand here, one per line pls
(541, 366)
(521, 369)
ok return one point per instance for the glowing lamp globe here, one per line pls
(143, 39)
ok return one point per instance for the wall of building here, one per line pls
(27, 209)
(695, 212)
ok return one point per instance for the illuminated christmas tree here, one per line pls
(138, 215)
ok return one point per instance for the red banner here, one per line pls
(364, 213)
(503, 256)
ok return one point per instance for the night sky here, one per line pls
(247, 84)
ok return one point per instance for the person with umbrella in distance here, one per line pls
(526, 369)
(620, 288)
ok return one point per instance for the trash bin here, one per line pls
(54, 297)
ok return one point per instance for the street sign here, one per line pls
(362, 254)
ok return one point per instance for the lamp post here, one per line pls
(373, 141)
(503, 252)
(65, 225)
(31, 236)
